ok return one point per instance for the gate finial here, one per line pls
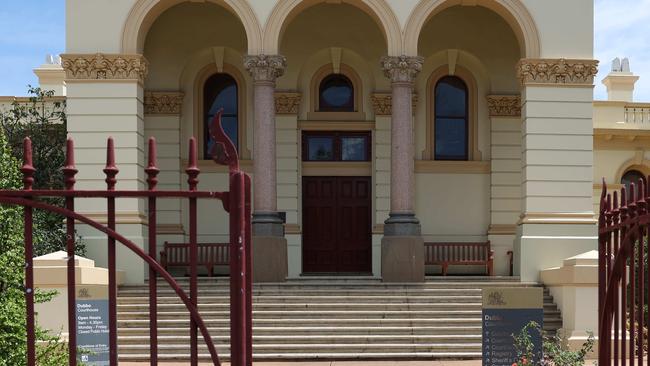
(28, 168)
(223, 151)
(151, 170)
(110, 170)
(69, 170)
(192, 168)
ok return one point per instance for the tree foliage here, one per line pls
(43, 119)
(555, 351)
(13, 334)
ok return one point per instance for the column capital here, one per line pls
(265, 67)
(102, 66)
(401, 69)
(558, 71)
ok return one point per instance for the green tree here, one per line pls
(13, 333)
(43, 119)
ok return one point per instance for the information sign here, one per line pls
(92, 325)
(506, 311)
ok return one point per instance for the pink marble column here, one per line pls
(265, 69)
(402, 71)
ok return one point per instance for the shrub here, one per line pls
(554, 349)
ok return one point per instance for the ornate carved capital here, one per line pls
(163, 102)
(101, 66)
(287, 103)
(382, 103)
(401, 68)
(265, 67)
(557, 71)
(504, 105)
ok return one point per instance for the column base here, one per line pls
(402, 259)
(269, 259)
(402, 224)
(268, 224)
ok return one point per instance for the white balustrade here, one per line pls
(637, 113)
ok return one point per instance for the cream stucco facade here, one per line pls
(536, 143)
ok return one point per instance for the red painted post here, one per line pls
(238, 308)
(28, 183)
(641, 211)
(622, 268)
(69, 171)
(111, 171)
(248, 241)
(193, 181)
(152, 180)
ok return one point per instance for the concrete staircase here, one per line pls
(324, 318)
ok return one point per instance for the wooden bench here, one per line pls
(444, 254)
(208, 255)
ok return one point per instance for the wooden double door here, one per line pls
(336, 222)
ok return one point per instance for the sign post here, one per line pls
(92, 325)
(506, 311)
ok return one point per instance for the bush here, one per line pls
(554, 349)
(43, 119)
(13, 328)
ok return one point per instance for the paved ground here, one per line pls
(335, 363)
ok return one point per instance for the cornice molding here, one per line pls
(504, 105)
(382, 103)
(557, 71)
(287, 103)
(402, 69)
(163, 103)
(102, 66)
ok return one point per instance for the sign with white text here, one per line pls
(506, 311)
(92, 325)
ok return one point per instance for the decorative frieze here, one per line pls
(287, 103)
(265, 67)
(102, 66)
(557, 71)
(163, 102)
(382, 103)
(504, 105)
(402, 68)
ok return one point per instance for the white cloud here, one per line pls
(622, 29)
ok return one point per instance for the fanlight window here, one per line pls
(220, 91)
(336, 94)
(632, 176)
(451, 119)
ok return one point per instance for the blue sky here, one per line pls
(30, 29)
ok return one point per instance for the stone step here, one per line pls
(269, 356)
(319, 330)
(315, 348)
(312, 339)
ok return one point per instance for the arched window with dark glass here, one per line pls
(336, 94)
(451, 124)
(220, 91)
(632, 176)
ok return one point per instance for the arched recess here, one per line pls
(512, 11)
(144, 13)
(379, 10)
(642, 166)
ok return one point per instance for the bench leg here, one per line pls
(490, 268)
(444, 269)
(210, 270)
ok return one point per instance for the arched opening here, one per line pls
(451, 118)
(336, 94)
(144, 13)
(220, 91)
(633, 176)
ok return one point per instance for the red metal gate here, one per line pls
(236, 202)
(623, 230)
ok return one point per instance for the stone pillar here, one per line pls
(402, 245)
(505, 177)
(269, 244)
(557, 219)
(105, 98)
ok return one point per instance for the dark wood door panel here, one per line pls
(336, 224)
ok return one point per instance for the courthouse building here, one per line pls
(369, 126)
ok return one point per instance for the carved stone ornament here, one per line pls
(287, 103)
(557, 71)
(163, 102)
(265, 67)
(104, 66)
(402, 68)
(382, 103)
(504, 105)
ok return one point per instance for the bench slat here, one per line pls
(208, 255)
(444, 254)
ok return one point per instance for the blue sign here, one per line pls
(92, 326)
